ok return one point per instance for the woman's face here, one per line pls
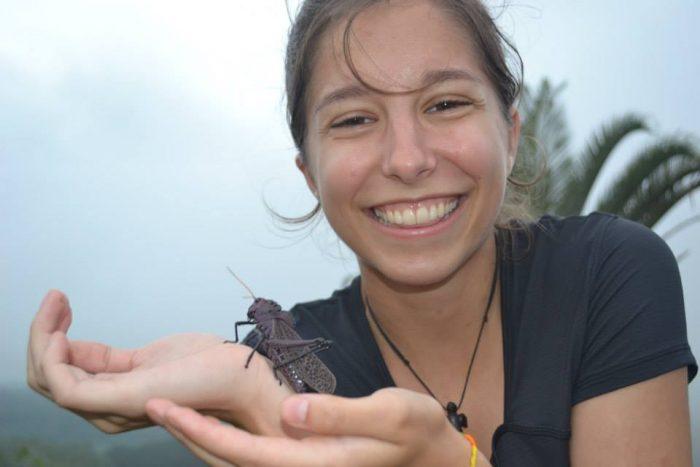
(411, 182)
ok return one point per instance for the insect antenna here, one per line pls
(242, 283)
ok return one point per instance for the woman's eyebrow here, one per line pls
(429, 78)
(346, 92)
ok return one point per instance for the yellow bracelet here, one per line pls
(472, 441)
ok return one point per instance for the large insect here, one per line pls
(274, 337)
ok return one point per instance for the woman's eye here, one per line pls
(351, 122)
(448, 105)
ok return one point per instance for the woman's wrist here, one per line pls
(470, 450)
(256, 408)
(482, 460)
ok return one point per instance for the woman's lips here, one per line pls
(416, 214)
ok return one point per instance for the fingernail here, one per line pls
(299, 410)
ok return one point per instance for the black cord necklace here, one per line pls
(458, 420)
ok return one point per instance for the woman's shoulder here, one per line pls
(586, 227)
(593, 235)
(332, 314)
(339, 298)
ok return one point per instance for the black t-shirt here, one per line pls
(594, 304)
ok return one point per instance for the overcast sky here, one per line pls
(139, 139)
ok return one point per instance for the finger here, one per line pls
(401, 412)
(156, 409)
(195, 449)
(242, 448)
(54, 315)
(126, 393)
(74, 389)
(95, 357)
(60, 377)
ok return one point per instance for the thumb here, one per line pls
(58, 349)
(325, 414)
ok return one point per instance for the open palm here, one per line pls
(109, 387)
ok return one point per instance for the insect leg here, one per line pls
(250, 357)
(241, 323)
(287, 343)
(318, 345)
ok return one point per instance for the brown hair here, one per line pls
(315, 17)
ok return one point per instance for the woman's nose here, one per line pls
(407, 156)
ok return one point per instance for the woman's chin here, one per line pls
(424, 275)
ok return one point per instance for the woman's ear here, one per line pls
(513, 137)
(301, 165)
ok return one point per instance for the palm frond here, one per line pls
(591, 161)
(661, 175)
(664, 204)
(543, 119)
(670, 176)
(666, 151)
(544, 140)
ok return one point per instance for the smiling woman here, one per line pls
(471, 335)
(434, 135)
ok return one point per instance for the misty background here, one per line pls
(140, 140)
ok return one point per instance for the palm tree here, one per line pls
(659, 176)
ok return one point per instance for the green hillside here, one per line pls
(36, 433)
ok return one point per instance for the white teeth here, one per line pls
(433, 213)
(420, 216)
(409, 217)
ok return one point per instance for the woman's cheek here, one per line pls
(478, 157)
(344, 173)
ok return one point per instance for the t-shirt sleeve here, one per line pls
(635, 326)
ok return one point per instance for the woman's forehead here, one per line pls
(394, 47)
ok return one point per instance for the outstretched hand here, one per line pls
(391, 427)
(109, 387)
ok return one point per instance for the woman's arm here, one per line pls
(391, 427)
(647, 423)
(109, 387)
(630, 394)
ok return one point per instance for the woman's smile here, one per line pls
(410, 174)
(416, 218)
(416, 213)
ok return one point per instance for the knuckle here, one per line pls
(434, 415)
(62, 398)
(393, 408)
(407, 410)
(331, 419)
(35, 386)
(106, 356)
(326, 417)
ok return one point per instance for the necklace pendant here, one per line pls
(458, 420)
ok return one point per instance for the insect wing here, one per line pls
(308, 368)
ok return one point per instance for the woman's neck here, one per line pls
(439, 313)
